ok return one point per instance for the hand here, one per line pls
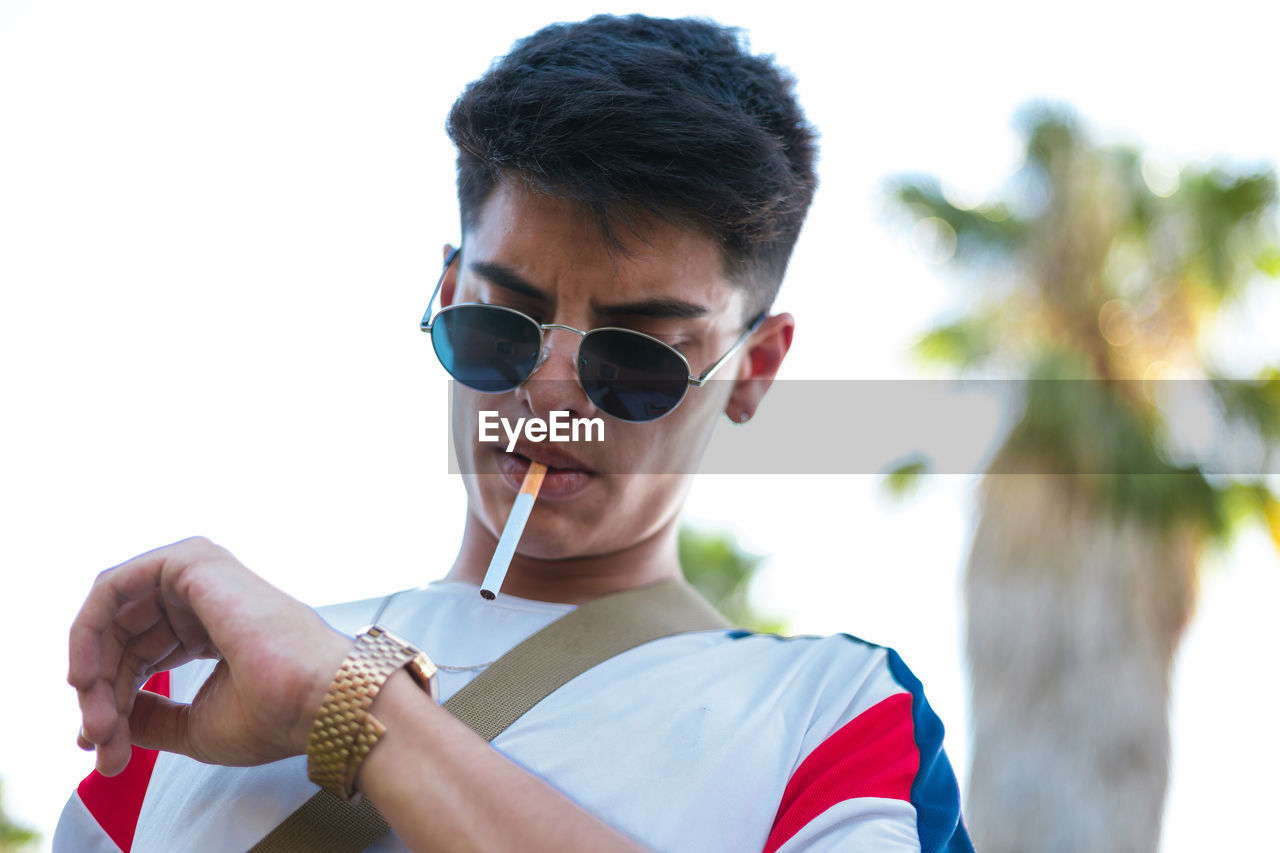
(179, 603)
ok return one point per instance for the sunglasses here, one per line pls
(626, 374)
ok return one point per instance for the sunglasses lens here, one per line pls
(485, 347)
(630, 376)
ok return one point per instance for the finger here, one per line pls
(173, 660)
(190, 630)
(133, 621)
(94, 661)
(138, 662)
(137, 616)
(113, 755)
(132, 580)
(99, 717)
(92, 633)
(105, 700)
(160, 723)
(111, 591)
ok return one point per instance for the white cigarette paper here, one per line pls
(510, 537)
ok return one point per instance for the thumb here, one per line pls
(157, 722)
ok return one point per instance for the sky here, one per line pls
(220, 223)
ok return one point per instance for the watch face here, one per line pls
(424, 672)
(418, 664)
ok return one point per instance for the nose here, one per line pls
(554, 384)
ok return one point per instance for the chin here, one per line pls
(557, 529)
(556, 532)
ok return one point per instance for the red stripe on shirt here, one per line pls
(116, 801)
(873, 755)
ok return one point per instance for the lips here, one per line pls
(566, 474)
(551, 456)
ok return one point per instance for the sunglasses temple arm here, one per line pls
(425, 325)
(710, 371)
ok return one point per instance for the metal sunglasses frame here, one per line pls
(694, 381)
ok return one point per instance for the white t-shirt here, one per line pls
(709, 741)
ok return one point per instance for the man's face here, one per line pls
(546, 258)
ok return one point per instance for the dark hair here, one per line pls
(636, 115)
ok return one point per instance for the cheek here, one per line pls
(679, 439)
(462, 426)
(465, 406)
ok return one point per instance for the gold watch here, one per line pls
(344, 731)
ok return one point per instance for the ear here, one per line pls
(449, 284)
(765, 350)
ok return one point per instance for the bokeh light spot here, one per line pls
(934, 239)
(1118, 323)
(1161, 175)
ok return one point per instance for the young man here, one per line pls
(619, 176)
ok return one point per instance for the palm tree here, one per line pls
(1092, 273)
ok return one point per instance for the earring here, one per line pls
(743, 417)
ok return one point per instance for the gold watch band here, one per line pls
(344, 731)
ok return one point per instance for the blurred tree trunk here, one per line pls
(1074, 616)
(1096, 271)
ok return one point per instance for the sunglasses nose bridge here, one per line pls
(555, 384)
(545, 351)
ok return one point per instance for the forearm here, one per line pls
(443, 788)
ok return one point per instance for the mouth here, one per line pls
(553, 457)
(566, 476)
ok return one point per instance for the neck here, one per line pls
(570, 580)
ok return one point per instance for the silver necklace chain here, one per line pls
(471, 668)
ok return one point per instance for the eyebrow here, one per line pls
(654, 309)
(507, 279)
(658, 308)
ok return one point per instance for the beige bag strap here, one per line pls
(524, 676)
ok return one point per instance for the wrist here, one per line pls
(345, 730)
(332, 649)
(399, 704)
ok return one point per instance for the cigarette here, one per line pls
(511, 531)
